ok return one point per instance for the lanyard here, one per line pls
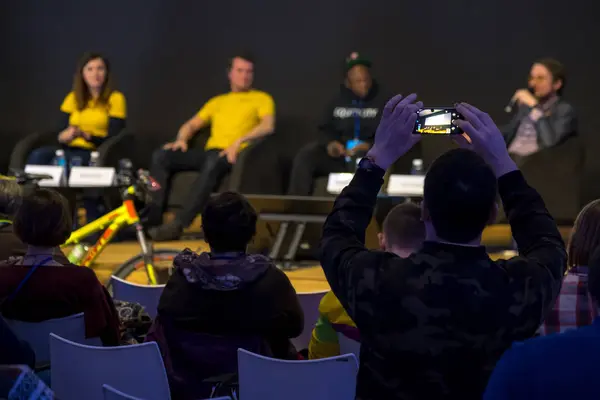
(357, 118)
(29, 273)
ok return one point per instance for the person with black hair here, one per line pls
(433, 325)
(347, 128)
(217, 301)
(236, 119)
(558, 366)
(543, 118)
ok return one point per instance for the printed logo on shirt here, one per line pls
(343, 112)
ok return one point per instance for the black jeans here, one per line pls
(311, 162)
(212, 169)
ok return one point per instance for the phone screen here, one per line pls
(437, 121)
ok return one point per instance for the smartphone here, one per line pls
(437, 121)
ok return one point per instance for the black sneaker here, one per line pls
(166, 232)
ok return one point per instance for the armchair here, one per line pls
(237, 180)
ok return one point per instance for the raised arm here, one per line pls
(532, 226)
(343, 238)
(349, 267)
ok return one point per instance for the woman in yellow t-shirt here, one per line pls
(92, 112)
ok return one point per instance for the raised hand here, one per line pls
(524, 96)
(394, 136)
(484, 138)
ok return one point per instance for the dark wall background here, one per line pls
(170, 56)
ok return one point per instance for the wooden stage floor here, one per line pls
(305, 279)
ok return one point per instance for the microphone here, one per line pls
(513, 102)
(509, 107)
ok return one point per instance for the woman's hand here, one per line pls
(68, 134)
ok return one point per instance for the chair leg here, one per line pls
(279, 237)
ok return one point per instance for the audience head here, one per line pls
(229, 223)
(403, 231)
(43, 219)
(594, 276)
(547, 77)
(92, 80)
(10, 197)
(358, 75)
(459, 197)
(241, 72)
(585, 236)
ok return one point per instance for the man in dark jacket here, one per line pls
(216, 302)
(434, 324)
(542, 119)
(347, 128)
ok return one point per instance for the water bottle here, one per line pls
(61, 161)
(78, 253)
(94, 155)
(59, 158)
(417, 167)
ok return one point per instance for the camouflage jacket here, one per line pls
(433, 325)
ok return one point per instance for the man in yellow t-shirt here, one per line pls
(236, 118)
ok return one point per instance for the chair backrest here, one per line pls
(110, 393)
(79, 371)
(264, 378)
(348, 346)
(37, 334)
(310, 305)
(146, 295)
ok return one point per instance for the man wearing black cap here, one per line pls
(347, 129)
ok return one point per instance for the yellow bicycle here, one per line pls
(157, 264)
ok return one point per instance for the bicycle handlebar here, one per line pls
(148, 181)
(24, 178)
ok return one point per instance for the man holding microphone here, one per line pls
(542, 118)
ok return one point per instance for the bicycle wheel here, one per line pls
(134, 269)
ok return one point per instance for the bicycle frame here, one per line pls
(111, 223)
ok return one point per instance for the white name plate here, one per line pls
(56, 172)
(92, 177)
(337, 182)
(406, 185)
